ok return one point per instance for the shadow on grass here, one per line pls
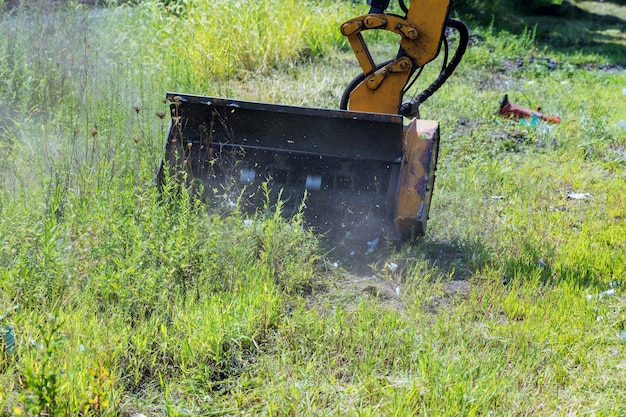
(450, 260)
(597, 30)
(458, 260)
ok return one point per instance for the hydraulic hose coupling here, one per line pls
(410, 110)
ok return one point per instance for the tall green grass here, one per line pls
(211, 40)
(86, 235)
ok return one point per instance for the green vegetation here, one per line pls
(122, 300)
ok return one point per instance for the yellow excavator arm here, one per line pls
(380, 88)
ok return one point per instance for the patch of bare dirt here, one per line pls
(385, 292)
(452, 291)
(349, 289)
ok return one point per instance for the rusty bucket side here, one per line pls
(417, 177)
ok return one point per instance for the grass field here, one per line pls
(117, 300)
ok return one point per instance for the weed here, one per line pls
(42, 373)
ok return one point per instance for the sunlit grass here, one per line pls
(207, 41)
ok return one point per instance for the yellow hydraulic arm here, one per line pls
(380, 88)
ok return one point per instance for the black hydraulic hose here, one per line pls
(345, 98)
(411, 108)
(403, 6)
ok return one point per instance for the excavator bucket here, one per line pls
(351, 173)
(357, 172)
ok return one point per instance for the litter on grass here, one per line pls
(578, 196)
(525, 115)
(601, 295)
(8, 337)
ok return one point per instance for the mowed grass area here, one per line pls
(115, 299)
